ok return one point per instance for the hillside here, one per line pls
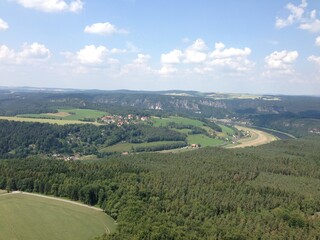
(267, 192)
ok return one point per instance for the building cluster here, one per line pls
(123, 120)
(314, 131)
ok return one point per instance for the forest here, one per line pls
(20, 139)
(211, 193)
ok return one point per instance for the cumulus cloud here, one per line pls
(232, 58)
(222, 52)
(6, 54)
(312, 25)
(3, 25)
(139, 66)
(35, 51)
(52, 5)
(296, 13)
(167, 70)
(103, 29)
(314, 59)
(281, 62)
(30, 53)
(202, 60)
(91, 54)
(195, 52)
(318, 41)
(172, 57)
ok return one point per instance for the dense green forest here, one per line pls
(20, 139)
(268, 192)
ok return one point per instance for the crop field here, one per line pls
(204, 140)
(25, 217)
(128, 147)
(180, 120)
(68, 114)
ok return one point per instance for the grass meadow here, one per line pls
(68, 114)
(25, 217)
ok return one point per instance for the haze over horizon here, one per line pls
(210, 46)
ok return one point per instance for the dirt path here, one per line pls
(257, 138)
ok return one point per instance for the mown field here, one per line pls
(44, 120)
(204, 140)
(25, 217)
(68, 114)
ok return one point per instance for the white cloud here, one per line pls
(222, 52)
(29, 54)
(3, 25)
(142, 59)
(281, 62)
(167, 70)
(318, 41)
(172, 57)
(35, 51)
(139, 66)
(232, 58)
(91, 54)
(296, 13)
(198, 45)
(195, 52)
(201, 60)
(312, 25)
(192, 56)
(52, 5)
(6, 54)
(314, 59)
(103, 29)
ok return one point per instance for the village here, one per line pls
(120, 120)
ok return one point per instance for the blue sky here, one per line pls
(207, 45)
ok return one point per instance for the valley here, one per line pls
(159, 166)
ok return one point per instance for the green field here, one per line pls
(179, 120)
(68, 114)
(227, 130)
(25, 217)
(42, 120)
(128, 147)
(203, 140)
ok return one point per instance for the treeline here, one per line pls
(194, 129)
(161, 147)
(146, 133)
(20, 139)
(210, 193)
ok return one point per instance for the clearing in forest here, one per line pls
(31, 217)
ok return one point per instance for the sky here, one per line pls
(247, 46)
